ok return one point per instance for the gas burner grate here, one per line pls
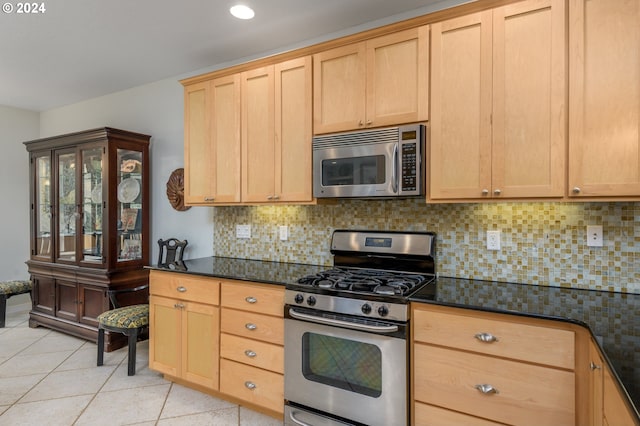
(373, 281)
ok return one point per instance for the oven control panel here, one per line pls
(347, 305)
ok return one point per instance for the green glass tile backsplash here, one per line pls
(541, 243)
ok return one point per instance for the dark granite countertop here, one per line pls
(613, 318)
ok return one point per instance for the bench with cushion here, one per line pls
(8, 289)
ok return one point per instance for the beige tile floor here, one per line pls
(49, 378)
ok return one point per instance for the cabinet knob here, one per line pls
(486, 389)
(178, 305)
(250, 326)
(486, 337)
(250, 299)
(250, 353)
(497, 192)
(369, 122)
(276, 197)
(575, 190)
(250, 385)
(360, 123)
(485, 192)
(594, 366)
(181, 289)
(269, 197)
(209, 198)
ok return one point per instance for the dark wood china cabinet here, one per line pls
(89, 206)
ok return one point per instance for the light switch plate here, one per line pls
(243, 231)
(594, 236)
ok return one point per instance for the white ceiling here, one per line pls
(80, 49)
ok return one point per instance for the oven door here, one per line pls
(348, 367)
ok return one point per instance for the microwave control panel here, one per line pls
(411, 159)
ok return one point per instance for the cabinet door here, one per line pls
(258, 149)
(339, 89)
(200, 344)
(44, 295)
(529, 100)
(595, 385)
(460, 142)
(92, 302)
(164, 335)
(212, 141)
(225, 138)
(604, 98)
(199, 165)
(67, 300)
(42, 206)
(397, 78)
(614, 409)
(293, 130)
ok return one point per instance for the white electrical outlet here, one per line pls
(243, 231)
(594, 236)
(284, 232)
(493, 240)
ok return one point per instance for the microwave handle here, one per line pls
(394, 174)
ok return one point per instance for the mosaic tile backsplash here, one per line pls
(541, 243)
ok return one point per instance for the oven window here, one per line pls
(354, 171)
(342, 363)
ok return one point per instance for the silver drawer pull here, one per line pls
(181, 289)
(486, 389)
(486, 337)
(594, 366)
(250, 385)
(250, 353)
(250, 326)
(178, 305)
(250, 299)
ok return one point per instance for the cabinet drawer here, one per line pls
(185, 287)
(263, 298)
(462, 329)
(429, 415)
(252, 326)
(252, 352)
(526, 394)
(236, 380)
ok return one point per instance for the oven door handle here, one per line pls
(346, 324)
(292, 416)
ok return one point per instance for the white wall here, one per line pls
(155, 109)
(16, 126)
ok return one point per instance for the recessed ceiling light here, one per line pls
(241, 11)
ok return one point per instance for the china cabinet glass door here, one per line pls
(93, 205)
(68, 207)
(43, 206)
(129, 206)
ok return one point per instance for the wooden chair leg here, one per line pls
(100, 346)
(133, 340)
(3, 309)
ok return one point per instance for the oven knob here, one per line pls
(383, 311)
(366, 309)
(299, 298)
(311, 301)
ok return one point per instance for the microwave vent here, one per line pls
(386, 135)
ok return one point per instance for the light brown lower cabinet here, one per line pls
(470, 367)
(252, 344)
(235, 351)
(607, 402)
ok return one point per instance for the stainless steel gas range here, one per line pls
(347, 328)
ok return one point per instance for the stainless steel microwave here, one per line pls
(385, 162)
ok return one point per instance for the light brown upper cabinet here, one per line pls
(498, 104)
(604, 98)
(378, 82)
(212, 141)
(276, 133)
